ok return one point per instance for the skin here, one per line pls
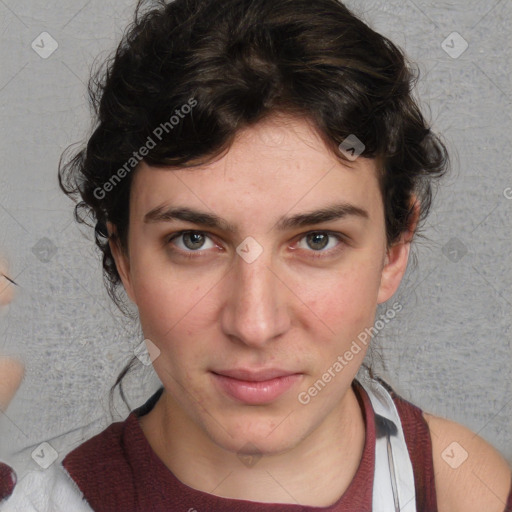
(286, 309)
(481, 482)
(6, 287)
(11, 370)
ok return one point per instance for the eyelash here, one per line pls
(314, 255)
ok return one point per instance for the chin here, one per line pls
(264, 436)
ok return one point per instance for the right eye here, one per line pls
(189, 242)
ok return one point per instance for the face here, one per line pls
(252, 275)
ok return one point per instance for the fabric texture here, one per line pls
(49, 490)
(7, 481)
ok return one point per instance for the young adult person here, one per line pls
(257, 174)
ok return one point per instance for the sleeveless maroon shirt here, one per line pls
(118, 471)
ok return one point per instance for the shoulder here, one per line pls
(104, 448)
(470, 475)
(102, 468)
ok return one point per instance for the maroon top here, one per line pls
(117, 470)
(7, 481)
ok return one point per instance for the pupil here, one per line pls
(319, 238)
(196, 238)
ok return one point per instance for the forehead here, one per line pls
(278, 165)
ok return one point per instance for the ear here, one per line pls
(397, 256)
(121, 259)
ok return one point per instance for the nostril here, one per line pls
(7, 481)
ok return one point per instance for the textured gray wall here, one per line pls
(449, 350)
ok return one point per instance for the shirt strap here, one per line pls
(393, 486)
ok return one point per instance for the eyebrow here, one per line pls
(329, 213)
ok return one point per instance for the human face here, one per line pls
(291, 309)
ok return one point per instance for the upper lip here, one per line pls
(255, 375)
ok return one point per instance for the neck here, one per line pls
(328, 458)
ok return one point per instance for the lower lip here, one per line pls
(256, 393)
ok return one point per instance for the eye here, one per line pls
(195, 243)
(191, 241)
(321, 242)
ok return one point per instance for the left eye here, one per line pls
(191, 241)
(320, 240)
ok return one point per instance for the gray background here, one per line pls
(449, 349)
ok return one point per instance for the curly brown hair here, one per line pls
(237, 62)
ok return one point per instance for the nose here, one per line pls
(256, 310)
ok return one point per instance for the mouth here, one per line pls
(255, 387)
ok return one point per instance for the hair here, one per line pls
(234, 63)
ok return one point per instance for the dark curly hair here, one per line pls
(232, 63)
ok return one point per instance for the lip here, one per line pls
(255, 387)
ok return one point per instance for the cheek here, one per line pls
(172, 309)
(346, 300)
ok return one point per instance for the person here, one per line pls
(257, 174)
